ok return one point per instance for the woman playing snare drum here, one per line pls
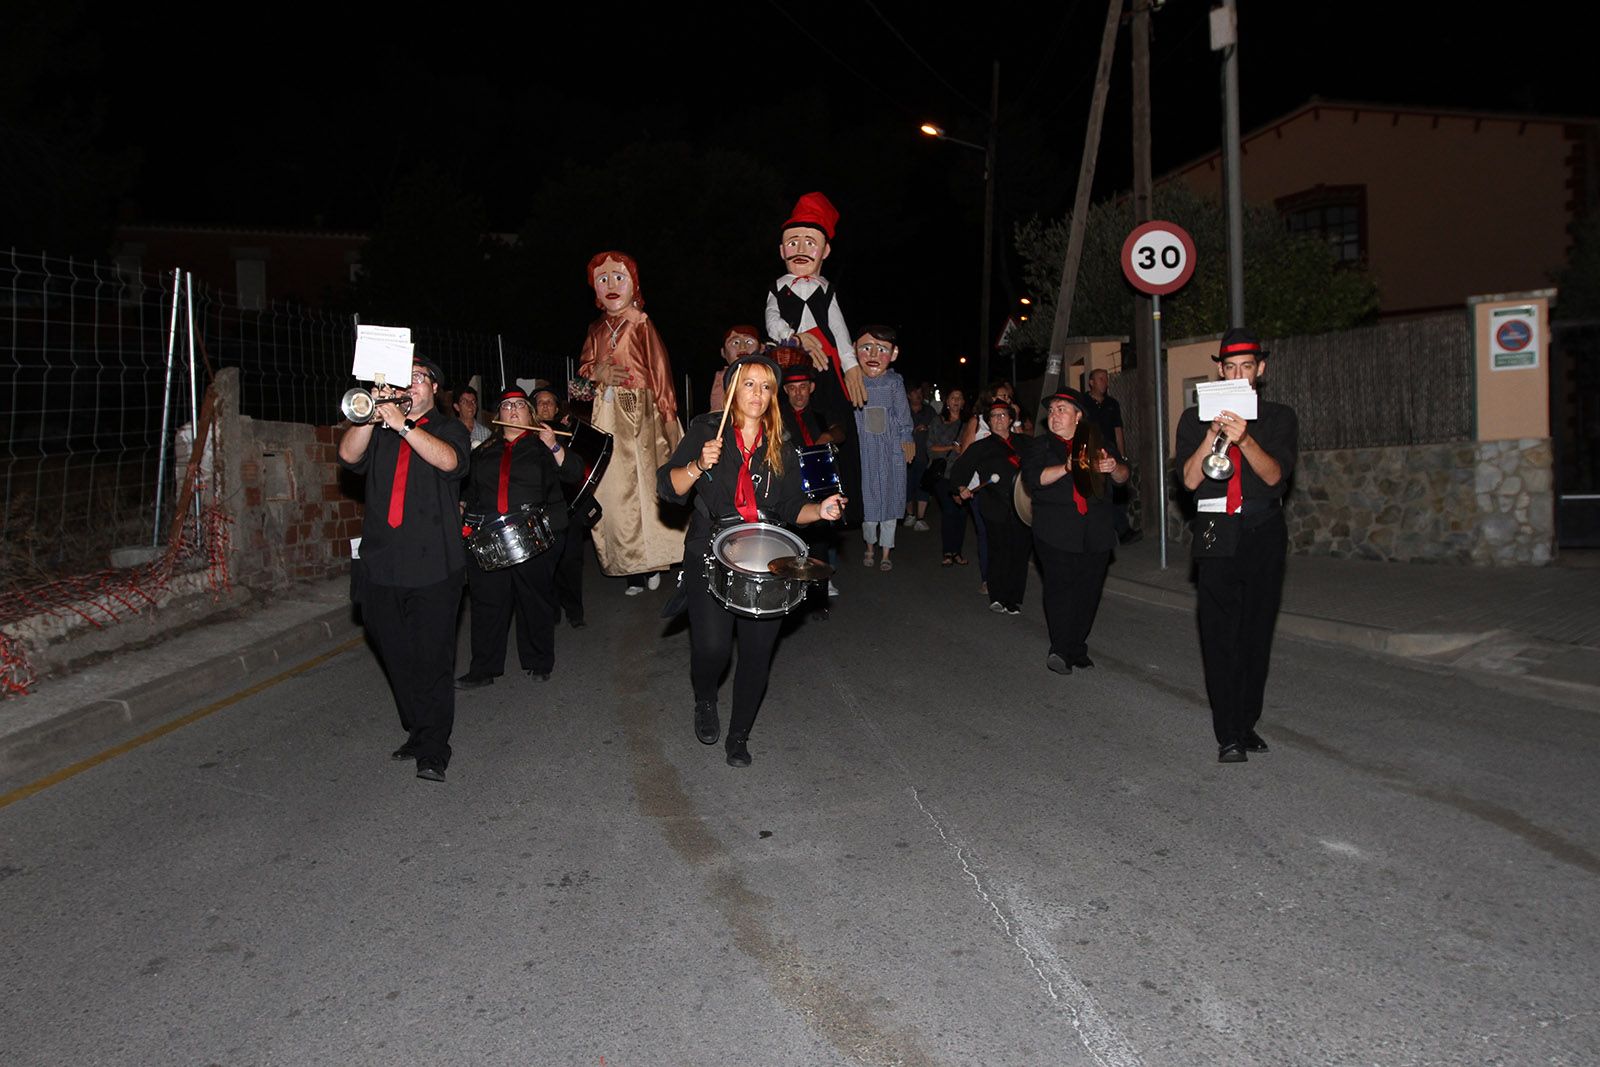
(741, 476)
(519, 466)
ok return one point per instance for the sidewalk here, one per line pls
(1538, 623)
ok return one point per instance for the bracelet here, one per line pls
(699, 470)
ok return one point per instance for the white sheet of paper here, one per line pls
(385, 350)
(1236, 396)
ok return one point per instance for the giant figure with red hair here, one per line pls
(636, 403)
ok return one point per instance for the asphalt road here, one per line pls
(943, 854)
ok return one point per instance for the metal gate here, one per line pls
(1575, 430)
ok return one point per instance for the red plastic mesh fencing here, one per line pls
(112, 595)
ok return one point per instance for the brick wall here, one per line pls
(299, 511)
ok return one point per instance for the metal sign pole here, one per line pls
(194, 401)
(166, 408)
(500, 345)
(1161, 422)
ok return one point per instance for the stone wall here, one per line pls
(1487, 503)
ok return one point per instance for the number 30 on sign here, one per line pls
(1158, 258)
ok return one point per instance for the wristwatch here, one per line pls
(404, 429)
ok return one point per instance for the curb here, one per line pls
(1314, 627)
(110, 716)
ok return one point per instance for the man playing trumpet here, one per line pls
(1240, 542)
(407, 578)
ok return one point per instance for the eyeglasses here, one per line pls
(513, 404)
(420, 377)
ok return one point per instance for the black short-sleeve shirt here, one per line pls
(426, 547)
(778, 495)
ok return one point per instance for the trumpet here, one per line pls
(1217, 465)
(361, 407)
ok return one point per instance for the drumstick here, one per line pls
(727, 406)
(519, 426)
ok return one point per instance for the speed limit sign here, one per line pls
(1158, 258)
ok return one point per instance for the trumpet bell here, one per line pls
(1217, 465)
(361, 407)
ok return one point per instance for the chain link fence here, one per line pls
(85, 350)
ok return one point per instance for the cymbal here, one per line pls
(800, 569)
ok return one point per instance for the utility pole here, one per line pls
(985, 343)
(1149, 360)
(1225, 39)
(1080, 208)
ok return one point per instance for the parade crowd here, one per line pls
(812, 438)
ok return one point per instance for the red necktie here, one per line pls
(805, 434)
(503, 501)
(1235, 487)
(1011, 453)
(744, 494)
(397, 492)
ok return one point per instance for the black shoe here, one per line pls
(738, 754)
(538, 676)
(1254, 743)
(1013, 609)
(430, 772)
(707, 723)
(1233, 753)
(404, 752)
(1083, 661)
(576, 624)
(474, 681)
(1057, 664)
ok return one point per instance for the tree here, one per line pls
(1293, 285)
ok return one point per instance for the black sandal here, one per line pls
(959, 558)
(949, 558)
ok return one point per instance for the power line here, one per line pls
(831, 54)
(959, 95)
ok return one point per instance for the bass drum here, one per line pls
(1022, 500)
(737, 574)
(593, 447)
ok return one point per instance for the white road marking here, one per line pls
(1099, 1035)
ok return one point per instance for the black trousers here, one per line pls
(712, 629)
(952, 518)
(414, 630)
(1009, 545)
(528, 591)
(1237, 609)
(569, 572)
(1073, 582)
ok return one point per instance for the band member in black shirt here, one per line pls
(407, 579)
(742, 476)
(518, 471)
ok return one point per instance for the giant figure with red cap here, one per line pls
(637, 404)
(803, 307)
(1240, 543)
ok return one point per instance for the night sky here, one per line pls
(309, 114)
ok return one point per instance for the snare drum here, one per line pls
(819, 474)
(736, 570)
(511, 539)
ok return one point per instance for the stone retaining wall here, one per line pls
(1487, 503)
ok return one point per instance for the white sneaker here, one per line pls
(921, 526)
(635, 590)
(833, 590)
(909, 521)
(655, 580)
(997, 607)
